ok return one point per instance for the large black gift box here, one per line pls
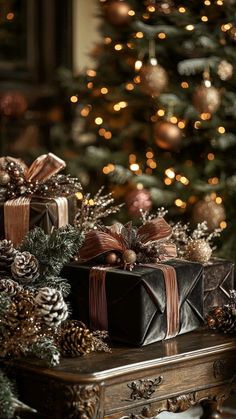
(136, 301)
(218, 281)
(43, 213)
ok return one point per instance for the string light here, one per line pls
(108, 135)
(91, 73)
(207, 2)
(98, 120)
(182, 9)
(107, 40)
(226, 27)
(132, 158)
(160, 112)
(197, 124)
(218, 200)
(204, 19)
(184, 85)
(130, 45)
(161, 35)
(139, 186)
(174, 120)
(104, 90)
(10, 16)
(179, 202)
(151, 8)
(210, 156)
(139, 35)
(184, 180)
(189, 27)
(131, 12)
(90, 85)
(129, 86)
(170, 173)
(181, 124)
(149, 154)
(213, 180)
(205, 116)
(85, 111)
(219, 2)
(74, 99)
(101, 132)
(138, 64)
(167, 181)
(221, 130)
(118, 47)
(108, 169)
(223, 225)
(134, 167)
(79, 195)
(137, 79)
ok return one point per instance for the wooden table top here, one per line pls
(100, 366)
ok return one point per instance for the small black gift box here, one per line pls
(137, 300)
(218, 281)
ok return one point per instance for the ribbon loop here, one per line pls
(44, 167)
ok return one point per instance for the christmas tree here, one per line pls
(154, 121)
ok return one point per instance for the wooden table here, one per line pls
(134, 383)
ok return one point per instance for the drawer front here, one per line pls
(159, 383)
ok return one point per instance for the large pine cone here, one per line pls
(7, 254)
(9, 286)
(76, 339)
(21, 309)
(25, 268)
(51, 307)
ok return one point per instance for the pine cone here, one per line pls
(9, 286)
(222, 319)
(76, 339)
(7, 254)
(25, 268)
(51, 307)
(22, 308)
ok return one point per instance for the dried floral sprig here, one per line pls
(93, 210)
(145, 216)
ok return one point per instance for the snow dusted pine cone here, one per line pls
(51, 307)
(76, 339)
(9, 286)
(7, 254)
(25, 268)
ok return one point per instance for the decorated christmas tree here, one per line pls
(155, 119)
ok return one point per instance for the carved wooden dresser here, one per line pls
(133, 383)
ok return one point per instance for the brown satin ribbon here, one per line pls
(98, 301)
(97, 298)
(44, 167)
(17, 217)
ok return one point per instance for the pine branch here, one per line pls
(196, 65)
(6, 398)
(46, 350)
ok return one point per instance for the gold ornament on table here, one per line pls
(167, 136)
(208, 210)
(117, 12)
(196, 246)
(206, 98)
(225, 70)
(138, 200)
(153, 78)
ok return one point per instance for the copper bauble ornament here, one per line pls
(198, 250)
(129, 256)
(111, 258)
(13, 104)
(167, 135)
(137, 200)
(117, 12)
(206, 99)
(153, 79)
(209, 211)
(4, 178)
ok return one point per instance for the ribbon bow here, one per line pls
(147, 244)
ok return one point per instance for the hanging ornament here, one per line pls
(209, 211)
(225, 70)
(206, 98)
(167, 136)
(117, 12)
(13, 104)
(198, 251)
(153, 77)
(137, 200)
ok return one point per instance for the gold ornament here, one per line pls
(225, 70)
(111, 258)
(129, 256)
(137, 200)
(206, 99)
(4, 178)
(117, 12)
(198, 250)
(167, 135)
(153, 79)
(209, 211)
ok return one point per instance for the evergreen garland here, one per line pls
(6, 398)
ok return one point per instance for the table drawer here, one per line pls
(163, 382)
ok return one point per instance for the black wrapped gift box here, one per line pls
(218, 281)
(136, 301)
(43, 213)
